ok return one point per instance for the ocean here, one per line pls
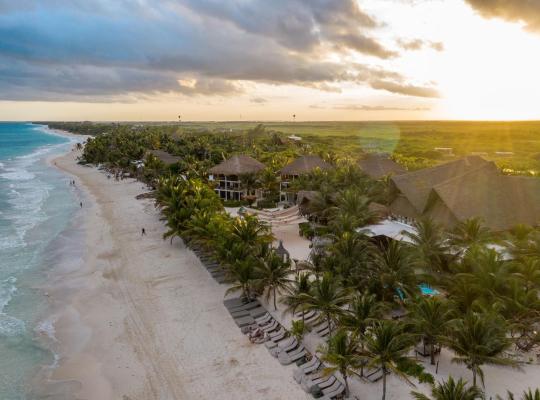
(37, 205)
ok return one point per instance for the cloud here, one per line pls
(300, 25)
(112, 51)
(405, 89)
(363, 107)
(258, 100)
(419, 44)
(525, 11)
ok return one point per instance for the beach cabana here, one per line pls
(228, 177)
(377, 166)
(301, 166)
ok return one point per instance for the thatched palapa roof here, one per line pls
(500, 201)
(377, 166)
(166, 158)
(305, 165)
(468, 188)
(416, 186)
(237, 165)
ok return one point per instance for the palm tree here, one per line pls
(451, 390)
(249, 182)
(314, 264)
(273, 276)
(349, 254)
(528, 271)
(341, 354)
(387, 345)
(243, 274)
(255, 234)
(479, 339)
(321, 203)
(299, 286)
(393, 269)
(430, 317)
(430, 243)
(298, 329)
(206, 228)
(363, 310)
(489, 273)
(355, 204)
(327, 297)
(269, 181)
(469, 233)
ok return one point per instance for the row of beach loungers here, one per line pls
(210, 263)
(252, 317)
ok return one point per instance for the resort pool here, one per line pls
(428, 290)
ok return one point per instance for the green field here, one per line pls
(417, 139)
(412, 143)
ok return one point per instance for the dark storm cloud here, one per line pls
(102, 50)
(526, 11)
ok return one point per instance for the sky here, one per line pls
(269, 60)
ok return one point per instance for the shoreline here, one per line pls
(141, 319)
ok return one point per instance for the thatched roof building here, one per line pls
(377, 166)
(414, 188)
(164, 157)
(468, 188)
(237, 165)
(305, 165)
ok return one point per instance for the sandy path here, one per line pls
(141, 319)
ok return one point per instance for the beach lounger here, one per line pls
(273, 342)
(244, 321)
(311, 318)
(234, 302)
(271, 328)
(284, 344)
(222, 280)
(309, 380)
(255, 313)
(265, 319)
(317, 385)
(318, 321)
(320, 328)
(276, 334)
(293, 346)
(306, 368)
(288, 358)
(212, 265)
(258, 312)
(374, 376)
(324, 333)
(247, 306)
(333, 391)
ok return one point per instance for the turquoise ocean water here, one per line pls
(36, 206)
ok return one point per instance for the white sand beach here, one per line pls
(142, 319)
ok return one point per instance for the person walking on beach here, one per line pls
(143, 232)
(80, 204)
